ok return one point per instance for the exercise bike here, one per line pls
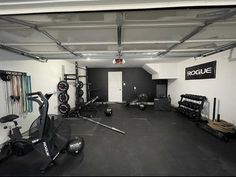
(47, 136)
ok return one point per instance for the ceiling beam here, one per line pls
(210, 40)
(115, 43)
(23, 53)
(229, 14)
(113, 26)
(35, 27)
(119, 21)
(31, 44)
(124, 51)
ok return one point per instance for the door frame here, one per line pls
(121, 96)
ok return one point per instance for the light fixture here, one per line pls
(118, 60)
(88, 59)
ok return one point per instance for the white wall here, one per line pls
(82, 72)
(45, 77)
(223, 87)
(162, 70)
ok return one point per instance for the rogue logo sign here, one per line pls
(203, 71)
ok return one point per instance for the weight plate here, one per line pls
(64, 108)
(81, 100)
(81, 84)
(62, 86)
(63, 97)
(143, 97)
(80, 93)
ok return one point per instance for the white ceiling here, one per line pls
(46, 6)
(145, 35)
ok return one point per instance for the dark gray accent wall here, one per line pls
(132, 77)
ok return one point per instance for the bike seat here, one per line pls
(8, 118)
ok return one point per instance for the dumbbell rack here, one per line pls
(191, 106)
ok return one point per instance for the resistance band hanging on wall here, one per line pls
(17, 86)
(29, 90)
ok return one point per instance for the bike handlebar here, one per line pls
(37, 94)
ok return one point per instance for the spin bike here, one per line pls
(46, 136)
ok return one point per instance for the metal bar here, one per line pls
(149, 42)
(164, 24)
(79, 26)
(210, 40)
(114, 43)
(214, 109)
(119, 29)
(88, 43)
(94, 53)
(113, 26)
(35, 27)
(49, 52)
(23, 53)
(200, 28)
(15, 73)
(103, 125)
(31, 44)
(193, 50)
(219, 49)
(119, 22)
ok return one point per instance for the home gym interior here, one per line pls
(118, 88)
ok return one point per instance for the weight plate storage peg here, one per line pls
(63, 97)
(81, 100)
(81, 84)
(62, 86)
(64, 108)
(80, 93)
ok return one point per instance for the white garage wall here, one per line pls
(162, 70)
(45, 77)
(82, 72)
(223, 87)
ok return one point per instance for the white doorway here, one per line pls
(115, 86)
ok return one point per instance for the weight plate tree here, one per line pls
(79, 93)
(63, 97)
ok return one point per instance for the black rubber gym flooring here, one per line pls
(156, 143)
